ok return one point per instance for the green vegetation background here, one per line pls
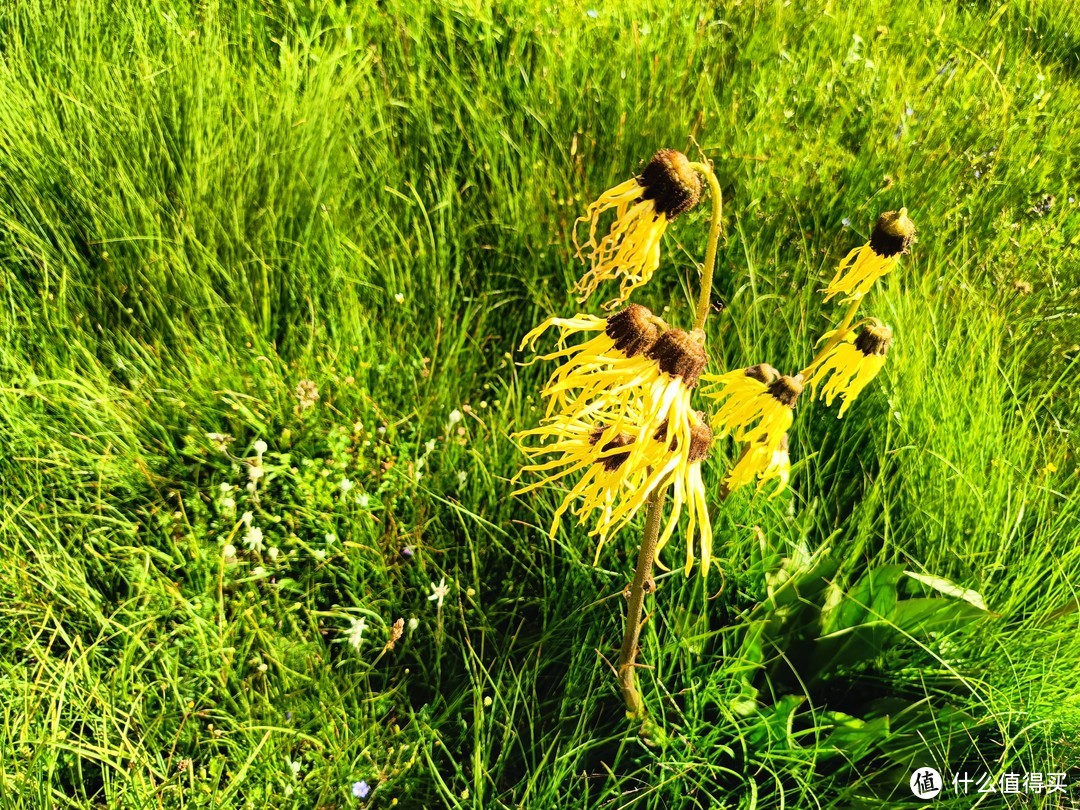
(204, 204)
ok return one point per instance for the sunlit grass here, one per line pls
(201, 207)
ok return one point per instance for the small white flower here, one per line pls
(355, 635)
(363, 500)
(260, 447)
(462, 477)
(258, 571)
(272, 552)
(225, 487)
(455, 417)
(255, 472)
(228, 504)
(330, 537)
(319, 554)
(429, 445)
(254, 539)
(413, 624)
(399, 297)
(345, 485)
(439, 592)
(230, 553)
(246, 518)
(294, 766)
(307, 392)
(220, 440)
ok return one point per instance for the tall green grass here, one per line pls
(203, 204)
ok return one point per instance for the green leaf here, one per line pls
(949, 588)
(934, 615)
(853, 737)
(872, 598)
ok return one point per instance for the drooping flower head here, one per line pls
(600, 452)
(671, 439)
(891, 238)
(630, 251)
(627, 426)
(852, 364)
(756, 409)
(689, 489)
(765, 464)
(608, 360)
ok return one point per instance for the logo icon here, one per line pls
(926, 783)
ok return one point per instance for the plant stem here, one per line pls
(635, 707)
(705, 296)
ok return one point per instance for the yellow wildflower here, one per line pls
(654, 381)
(600, 451)
(605, 362)
(687, 487)
(758, 461)
(630, 428)
(643, 206)
(851, 364)
(891, 238)
(756, 409)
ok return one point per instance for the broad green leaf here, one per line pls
(932, 615)
(854, 737)
(872, 598)
(949, 588)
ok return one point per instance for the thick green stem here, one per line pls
(643, 580)
(705, 296)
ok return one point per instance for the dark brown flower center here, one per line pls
(701, 437)
(680, 354)
(786, 390)
(763, 372)
(615, 460)
(893, 233)
(670, 183)
(633, 330)
(874, 340)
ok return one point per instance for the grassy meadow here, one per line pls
(264, 268)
